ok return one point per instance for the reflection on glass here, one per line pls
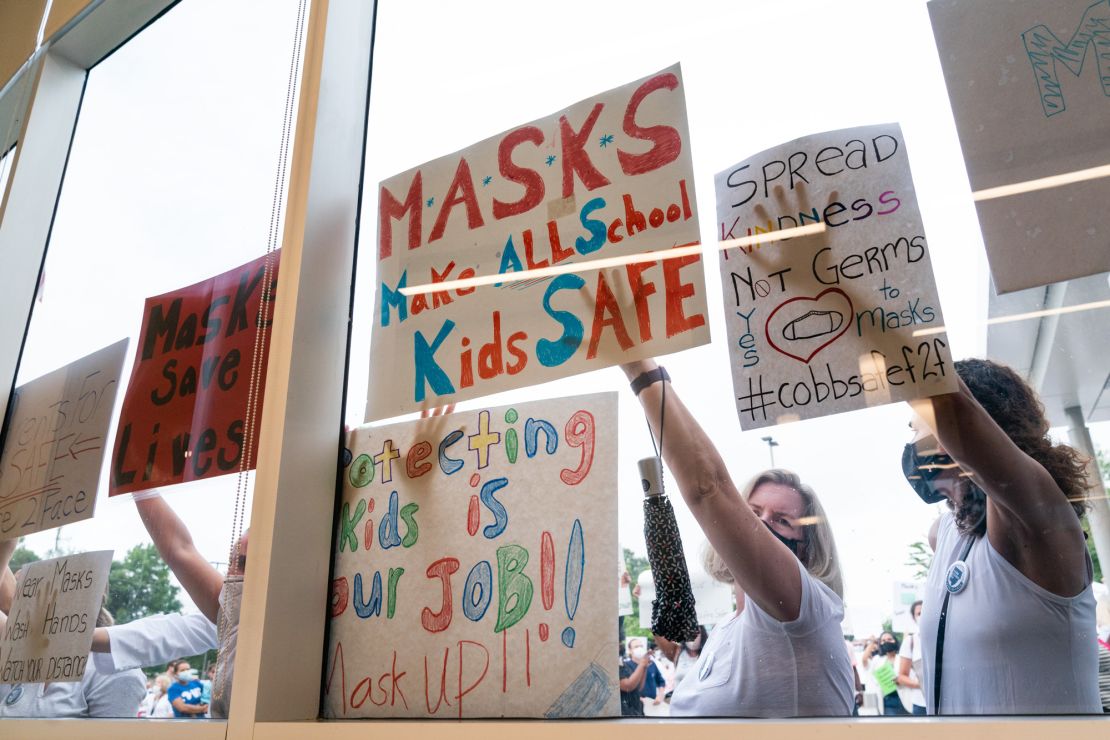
(989, 475)
(170, 181)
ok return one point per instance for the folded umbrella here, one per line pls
(673, 616)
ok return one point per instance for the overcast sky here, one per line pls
(171, 179)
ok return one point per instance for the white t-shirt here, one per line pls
(756, 666)
(911, 648)
(683, 665)
(162, 708)
(1010, 646)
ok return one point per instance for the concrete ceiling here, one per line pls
(1078, 369)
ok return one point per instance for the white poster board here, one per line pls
(842, 320)
(624, 591)
(905, 593)
(50, 626)
(1029, 82)
(474, 566)
(609, 176)
(714, 602)
(646, 582)
(55, 444)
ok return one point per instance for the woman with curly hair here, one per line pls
(782, 654)
(1009, 617)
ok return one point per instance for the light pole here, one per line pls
(771, 445)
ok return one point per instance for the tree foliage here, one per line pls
(921, 557)
(139, 585)
(635, 565)
(21, 557)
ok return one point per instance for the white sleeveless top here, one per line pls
(1010, 646)
(756, 666)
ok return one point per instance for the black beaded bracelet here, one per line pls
(643, 380)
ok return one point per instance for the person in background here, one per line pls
(147, 702)
(632, 674)
(1102, 613)
(650, 692)
(206, 684)
(782, 654)
(97, 694)
(1010, 559)
(857, 682)
(162, 709)
(909, 665)
(685, 654)
(185, 693)
(879, 657)
(217, 597)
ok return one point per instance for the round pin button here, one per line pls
(14, 694)
(956, 578)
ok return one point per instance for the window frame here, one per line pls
(282, 639)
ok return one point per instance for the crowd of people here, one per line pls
(178, 692)
(1009, 593)
(113, 684)
(1008, 597)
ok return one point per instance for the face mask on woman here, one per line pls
(922, 470)
(790, 543)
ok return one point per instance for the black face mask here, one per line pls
(922, 470)
(791, 544)
(888, 647)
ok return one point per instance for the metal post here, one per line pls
(1098, 516)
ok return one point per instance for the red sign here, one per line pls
(200, 364)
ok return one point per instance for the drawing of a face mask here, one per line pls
(813, 324)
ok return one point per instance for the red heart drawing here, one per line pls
(845, 321)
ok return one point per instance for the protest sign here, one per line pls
(905, 593)
(608, 177)
(50, 626)
(646, 582)
(841, 320)
(1029, 83)
(474, 566)
(713, 600)
(192, 408)
(624, 591)
(55, 443)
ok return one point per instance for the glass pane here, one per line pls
(814, 611)
(175, 177)
(6, 160)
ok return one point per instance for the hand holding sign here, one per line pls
(829, 322)
(511, 219)
(481, 544)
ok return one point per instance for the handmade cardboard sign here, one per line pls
(608, 177)
(1029, 83)
(192, 408)
(624, 591)
(50, 626)
(905, 593)
(474, 566)
(646, 582)
(713, 600)
(55, 444)
(841, 320)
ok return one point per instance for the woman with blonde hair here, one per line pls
(782, 654)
